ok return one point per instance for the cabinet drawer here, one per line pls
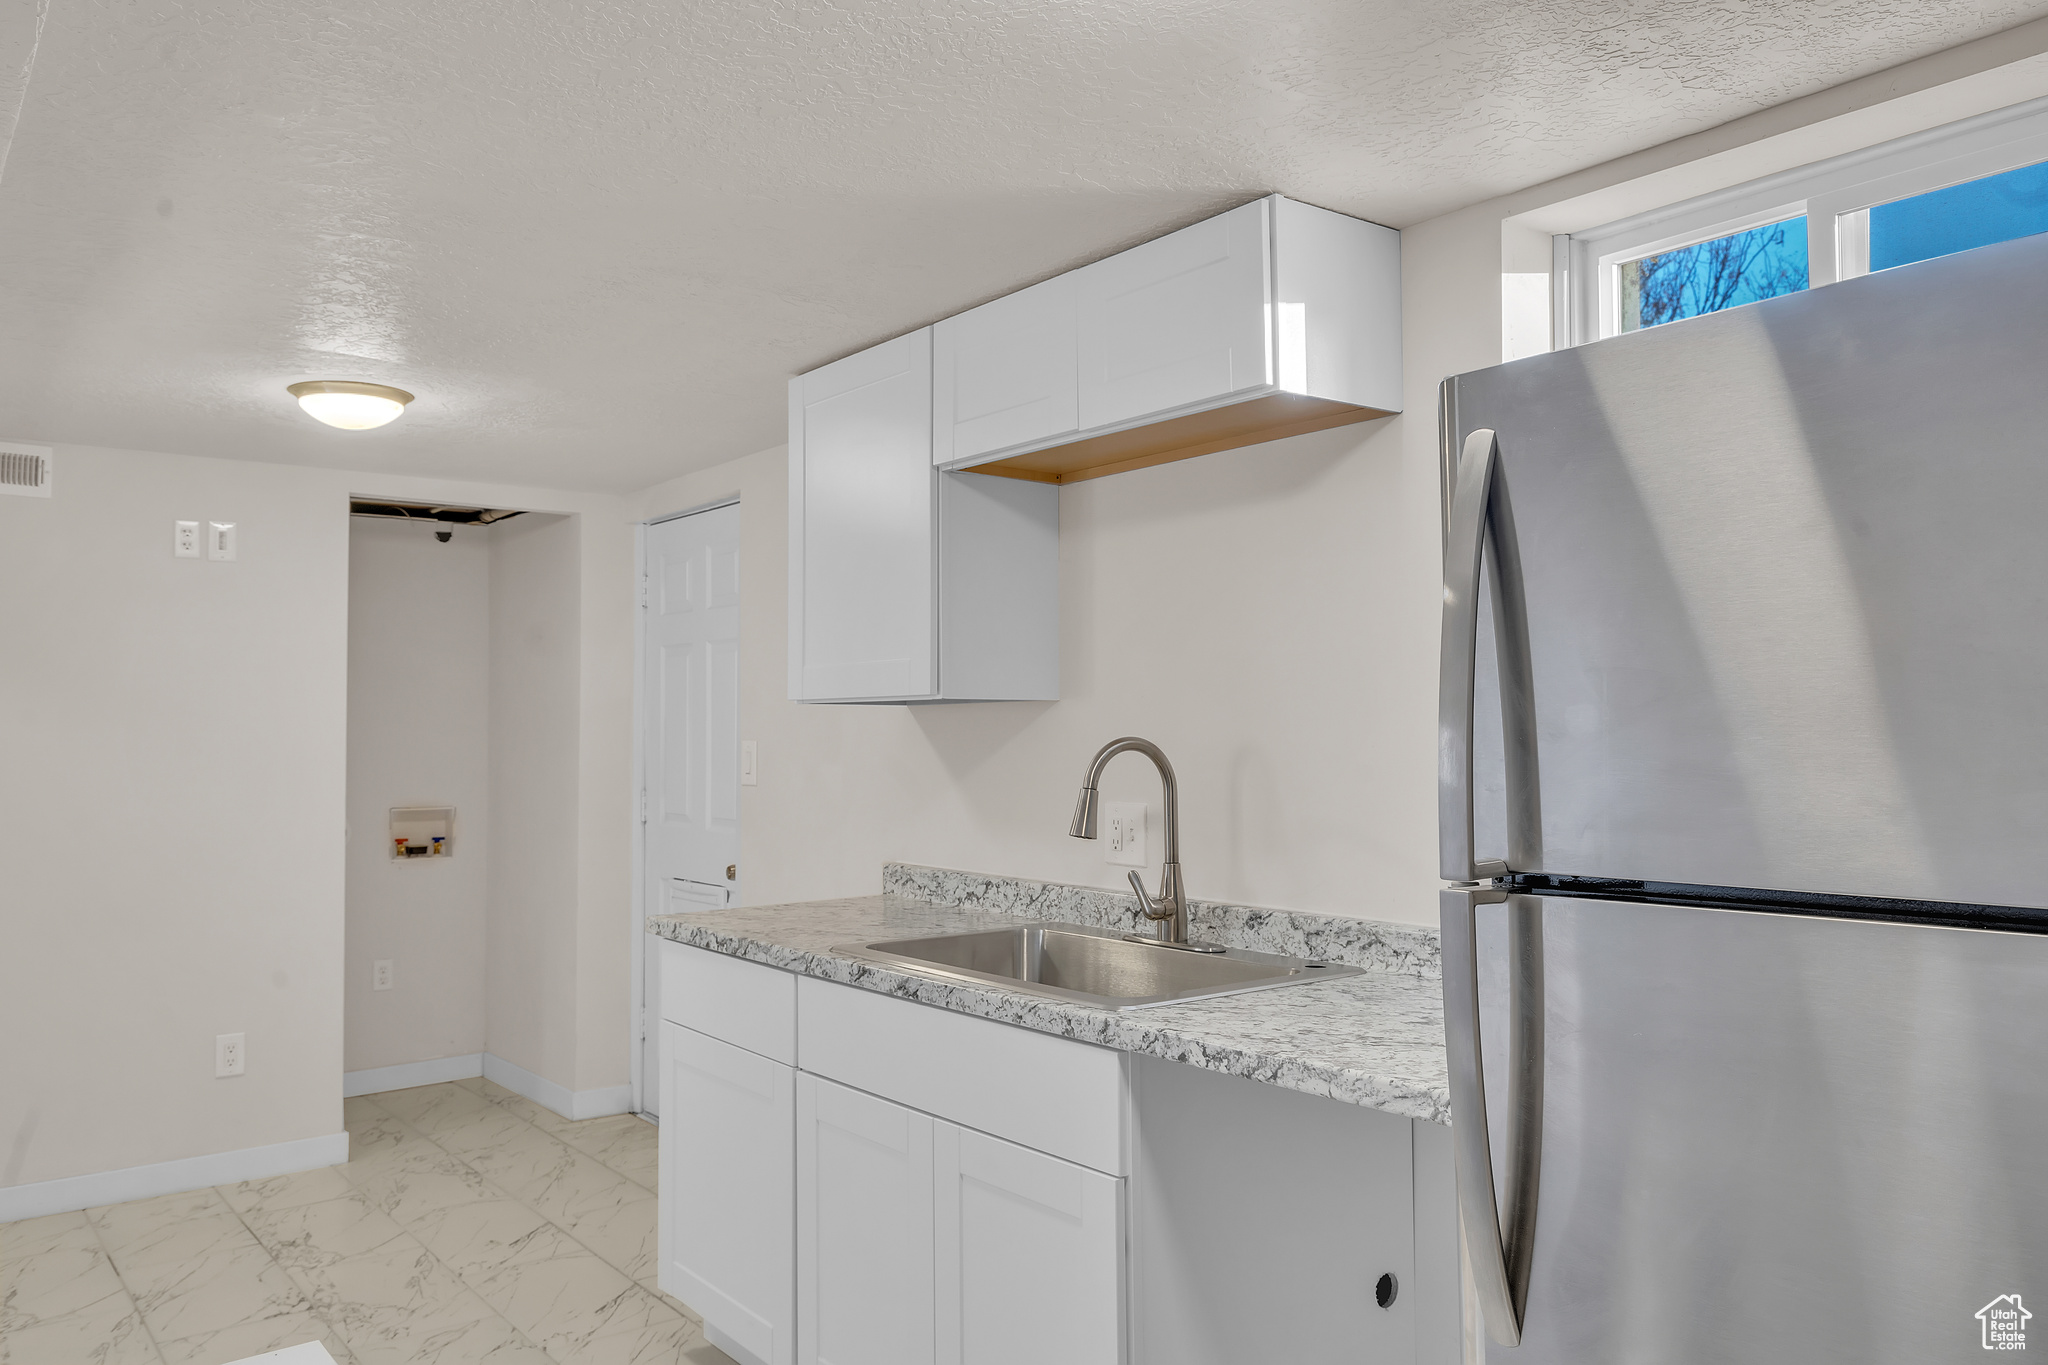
(742, 1003)
(1047, 1093)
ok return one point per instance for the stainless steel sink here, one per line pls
(1093, 966)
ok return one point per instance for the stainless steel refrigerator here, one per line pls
(1743, 768)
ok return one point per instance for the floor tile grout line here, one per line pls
(523, 1203)
(456, 1157)
(305, 1292)
(566, 1143)
(127, 1290)
(406, 1227)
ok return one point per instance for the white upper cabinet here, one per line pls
(861, 525)
(1003, 374)
(907, 584)
(1176, 321)
(923, 507)
(1274, 319)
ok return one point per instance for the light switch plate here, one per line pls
(1121, 826)
(185, 539)
(220, 540)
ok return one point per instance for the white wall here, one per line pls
(419, 679)
(172, 735)
(1267, 615)
(533, 760)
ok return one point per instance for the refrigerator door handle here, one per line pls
(1481, 516)
(1498, 1250)
(1457, 675)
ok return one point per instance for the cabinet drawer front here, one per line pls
(742, 1003)
(1048, 1093)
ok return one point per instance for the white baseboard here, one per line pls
(171, 1177)
(570, 1104)
(406, 1075)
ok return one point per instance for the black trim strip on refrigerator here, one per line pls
(1948, 914)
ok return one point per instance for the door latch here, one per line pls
(732, 872)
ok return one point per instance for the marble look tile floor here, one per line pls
(469, 1225)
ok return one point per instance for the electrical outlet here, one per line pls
(1122, 827)
(185, 539)
(220, 540)
(227, 1055)
(746, 763)
(380, 974)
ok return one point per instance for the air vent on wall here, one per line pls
(25, 470)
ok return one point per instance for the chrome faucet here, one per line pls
(1170, 907)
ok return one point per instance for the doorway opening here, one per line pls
(689, 738)
(463, 676)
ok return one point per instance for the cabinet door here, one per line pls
(1003, 374)
(863, 1228)
(861, 526)
(1182, 320)
(1029, 1255)
(728, 1129)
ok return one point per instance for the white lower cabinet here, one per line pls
(728, 1127)
(863, 1228)
(1030, 1255)
(852, 1179)
(919, 1240)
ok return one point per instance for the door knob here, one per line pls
(732, 872)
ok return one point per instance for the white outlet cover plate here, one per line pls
(1121, 827)
(220, 540)
(185, 539)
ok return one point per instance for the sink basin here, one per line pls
(1093, 966)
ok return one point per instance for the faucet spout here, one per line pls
(1170, 907)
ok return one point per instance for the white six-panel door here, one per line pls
(728, 1132)
(1029, 1253)
(863, 1228)
(690, 725)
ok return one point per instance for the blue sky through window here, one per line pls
(1997, 208)
(1689, 281)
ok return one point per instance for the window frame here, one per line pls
(1835, 195)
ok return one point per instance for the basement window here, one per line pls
(1705, 277)
(1969, 184)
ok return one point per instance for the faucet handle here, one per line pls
(1153, 909)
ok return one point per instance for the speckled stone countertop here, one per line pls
(1375, 1040)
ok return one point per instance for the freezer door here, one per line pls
(1787, 589)
(1773, 1138)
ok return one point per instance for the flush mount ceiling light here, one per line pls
(347, 404)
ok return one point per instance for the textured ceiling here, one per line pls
(595, 238)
